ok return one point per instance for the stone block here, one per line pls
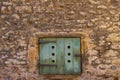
(113, 37)
(23, 9)
(6, 10)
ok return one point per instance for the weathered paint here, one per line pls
(68, 56)
(62, 54)
(44, 57)
(77, 60)
(53, 49)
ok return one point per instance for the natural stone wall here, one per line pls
(22, 22)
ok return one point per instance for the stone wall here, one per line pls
(23, 22)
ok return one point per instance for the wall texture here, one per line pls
(23, 22)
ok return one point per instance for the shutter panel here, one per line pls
(60, 56)
(77, 57)
(44, 57)
(68, 56)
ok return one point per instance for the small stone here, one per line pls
(16, 16)
(113, 37)
(113, 12)
(7, 3)
(89, 24)
(7, 62)
(23, 9)
(102, 7)
(73, 30)
(115, 46)
(83, 13)
(103, 66)
(94, 19)
(92, 11)
(82, 21)
(93, 1)
(103, 26)
(113, 29)
(107, 18)
(3, 9)
(6, 10)
(71, 12)
(8, 23)
(22, 62)
(113, 67)
(45, 0)
(3, 28)
(116, 17)
(4, 56)
(110, 78)
(78, 21)
(109, 43)
(111, 53)
(101, 42)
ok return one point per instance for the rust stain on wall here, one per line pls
(32, 54)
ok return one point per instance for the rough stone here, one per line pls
(6, 10)
(23, 22)
(114, 29)
(94, 2)
(23, 9)
(102, 7)
(111, 53)
(115, 46)
(113, 37)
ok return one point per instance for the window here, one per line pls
(60, 55)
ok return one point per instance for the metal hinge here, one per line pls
(78, 55)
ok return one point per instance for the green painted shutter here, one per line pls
(77, 55)
(68, 56)
(44, 57)
(53, 49)
(60, 56)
